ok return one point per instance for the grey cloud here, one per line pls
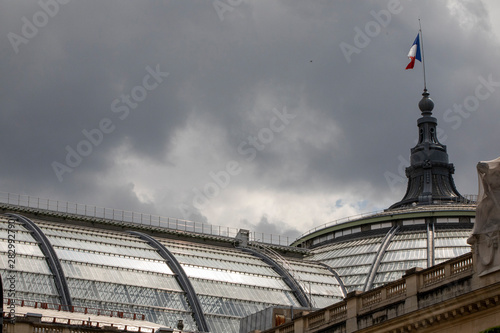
(354, 120)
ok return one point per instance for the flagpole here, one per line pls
(423, 58)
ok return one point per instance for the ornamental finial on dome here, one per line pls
(426, 105)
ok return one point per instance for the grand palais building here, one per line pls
(72, 265)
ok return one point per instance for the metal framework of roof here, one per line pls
(181, 277)
(51, 257)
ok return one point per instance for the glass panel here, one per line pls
(98, 236)
(162, 316)
(354, 287)
(226, 265)
(212, 252)
(353, 270)
(223, 324)
(354, 280)
(304, 276)
(234, 277)
(323, 302)
(386, 277)
(30, 249)
(347, 251)
(412, 235)
(322, 289)
(448, 241)
(122, 276)
(351, 261)
(453, 233)
(407, 244)
(31, 284)
(125, 294)
(20, 235)
(414, 254)
(107, 260)
(27, 264)
(401, 265)
(242, 292)
(308, 267)
(107, 248)
(4, 224)
(450, 252)
(229, 307)
(343, 248)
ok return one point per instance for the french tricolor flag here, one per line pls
(414, 53)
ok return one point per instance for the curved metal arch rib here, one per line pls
(380, 254)
(337, 277)
(181, 277)
(431, 244)
(287, 277)
(52, 259)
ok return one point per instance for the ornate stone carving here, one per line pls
(485, 236)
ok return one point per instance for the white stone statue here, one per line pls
(485, 236)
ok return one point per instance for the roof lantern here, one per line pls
(430, 179)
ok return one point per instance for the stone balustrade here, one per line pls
(363, 309)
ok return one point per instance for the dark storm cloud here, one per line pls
(355, 115)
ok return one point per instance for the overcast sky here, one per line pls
(275, 116)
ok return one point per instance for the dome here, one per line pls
(379, 248)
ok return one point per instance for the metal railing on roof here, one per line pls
(111, 214)
(171, 223)
(469, 199)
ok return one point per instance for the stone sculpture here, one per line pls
(485, 236)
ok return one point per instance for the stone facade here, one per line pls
(449, 297)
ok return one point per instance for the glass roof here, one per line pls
(113, 269)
